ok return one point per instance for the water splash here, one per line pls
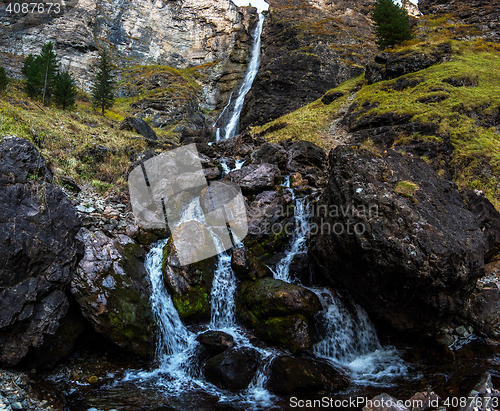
(234, 111)
(350, 340)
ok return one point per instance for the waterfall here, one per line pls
(234, 109)
(349, 337)
(299, 236)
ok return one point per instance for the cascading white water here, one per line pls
(231, 127)
(299, 236)
(350, 338)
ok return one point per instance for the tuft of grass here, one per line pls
(406, 189)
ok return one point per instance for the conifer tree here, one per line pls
(4, 80)
(40, 72)
(102, 89)
(64, 90)
(392, 25)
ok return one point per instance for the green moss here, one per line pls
(194, 304)
(406, 189)
(283, 330)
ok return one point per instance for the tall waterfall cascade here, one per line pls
(228, 122)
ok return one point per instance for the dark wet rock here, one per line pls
(436, 98)
(304, 375)
(270, 153)
(240, 145)
(308, 159)
(59, 345)
(267, 217)
(417, 250)
(20, 161)
(247, 266)
(189, 284)
(389, 65)
(488, 219)
(38, 251)
(139, 126)
(233, 369)
(331, 96)
(278, 311)
(216, 342)
(482, 310)
(112, 289)
(255, 178)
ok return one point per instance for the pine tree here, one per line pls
(40, 72)
(64, 90)
(4, 80)
(392, 25)
(102, 90)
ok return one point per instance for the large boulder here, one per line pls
(278, 311)
(112, 288)
(255, 178)
(189, 284)
(398, 237)
(215, 342)
(39, 251)
(482, 310)
(139, 126)
(304, 375)
(268, 217)
(233, 369)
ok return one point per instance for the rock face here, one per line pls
(278, 311)
(391, 65)
(304, 375)
(308, 48)
(482, 14)
(111, 286)
(39, 251)
(175, 33)
(398, 237)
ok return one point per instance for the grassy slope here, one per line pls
(66, 138)
(475, 144)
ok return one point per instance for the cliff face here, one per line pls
(308, 47)
(483, 14)
(178, 33)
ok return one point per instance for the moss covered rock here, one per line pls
(247, 266)
(112, 288)
(279, 312)
(189, 284)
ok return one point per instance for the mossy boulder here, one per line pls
(112, 288)
(291, 331)
(189, 284)
(247, 266)
(278, 311)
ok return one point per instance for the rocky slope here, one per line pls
(173, 33)
(483, 15)
(307, 49)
